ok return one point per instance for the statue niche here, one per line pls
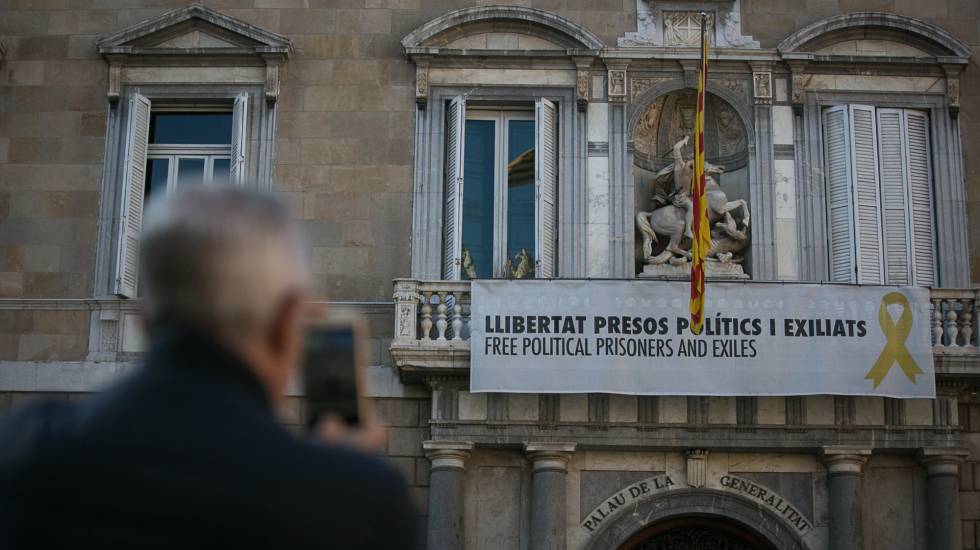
(663, 161)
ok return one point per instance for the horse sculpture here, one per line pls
(728, 233)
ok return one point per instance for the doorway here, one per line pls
(696, 533)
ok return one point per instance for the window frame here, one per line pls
(945, 154)
(258, 124)
(879, 134)
(429, 204)
(500, 116)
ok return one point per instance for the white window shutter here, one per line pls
(920, 197)
(894, 207)
(452, 242)
(134, 180)
(837, 171)
(546, 187)
(867, 204)
(239, 139)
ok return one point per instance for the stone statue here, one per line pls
(469, 269)
(671, 218)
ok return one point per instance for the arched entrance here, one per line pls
(696, 533)
(709, 517)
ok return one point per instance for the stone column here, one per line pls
(845, 473)
(943, 529)
(549, 463)
(445, 527)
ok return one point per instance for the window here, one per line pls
(879, 195)
(166, 148)
(501, 179)
(187, 148)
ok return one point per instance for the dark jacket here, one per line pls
(186, 453)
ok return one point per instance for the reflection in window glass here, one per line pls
(478, 167)
(520, 193)
(157, 171)
(190, 128)
(190, 171)
(221, 171)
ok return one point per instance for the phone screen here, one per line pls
(330, 373)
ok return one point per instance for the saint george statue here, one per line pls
(671, 218)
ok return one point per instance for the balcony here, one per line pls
(431, 336)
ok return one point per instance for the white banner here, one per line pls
(632, 337)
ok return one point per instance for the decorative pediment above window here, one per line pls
(195, 36)
(870, 39)
(502, 28)
(513, 33)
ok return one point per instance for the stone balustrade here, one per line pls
(432, 325)
(953, 315)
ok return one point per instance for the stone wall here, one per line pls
(969, 414)
(344, 141)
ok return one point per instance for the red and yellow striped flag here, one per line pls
(699, 224)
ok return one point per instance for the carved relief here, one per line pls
(639, 85)
(421, 81)
(762, 86)
(617, 85)
(582, 81)
(799, 86)
(683, 28)
(697, 467)
(670, 118)
(733, 85)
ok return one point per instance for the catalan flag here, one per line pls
(699, 224)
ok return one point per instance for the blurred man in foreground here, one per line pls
(187, 452)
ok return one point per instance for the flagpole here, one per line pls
(701, 231)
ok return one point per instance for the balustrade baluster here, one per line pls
(952, 328)
(457, 316)
(967, 318)
(937, 322)
(441, 317)
(427, 316)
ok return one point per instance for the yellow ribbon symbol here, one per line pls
(895, 336)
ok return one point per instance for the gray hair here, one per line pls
(220, 260)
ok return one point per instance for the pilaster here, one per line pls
(942, 466)
(845, 472)
(549, 464)
(446, 499)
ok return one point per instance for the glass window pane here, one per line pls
(190, 171)
(520, 196)
(157, 171)
(478, 168)
(221, 171)
(192, 128)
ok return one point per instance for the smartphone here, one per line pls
(333, 367)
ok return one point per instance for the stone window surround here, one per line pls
(258, 154)
(248, 50)
(952, 256)
(429, 186)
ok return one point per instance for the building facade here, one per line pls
(847, 128)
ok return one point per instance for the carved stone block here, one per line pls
(617, 85)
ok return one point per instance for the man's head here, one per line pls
(230, 264)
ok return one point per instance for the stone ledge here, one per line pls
(682, 437)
